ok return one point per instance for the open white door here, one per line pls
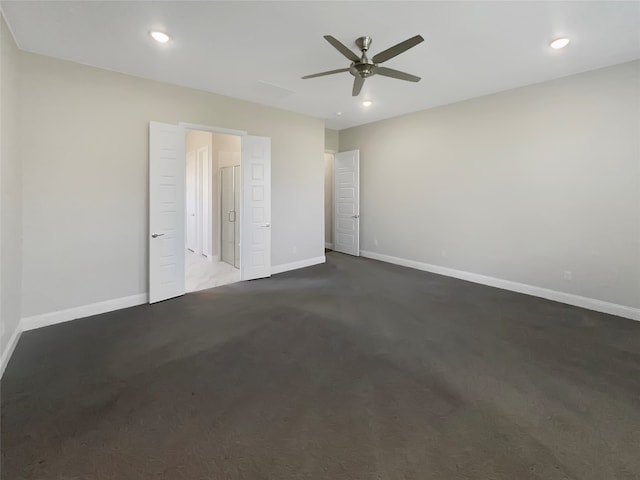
(346, 202)
(166, 211)
(255, 236)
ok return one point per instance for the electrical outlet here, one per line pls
(567, 275)
(375, 242)
(443, 253)
(295, 250)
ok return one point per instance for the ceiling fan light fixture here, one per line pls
(367, 103)
(559, 43)
(160, 37)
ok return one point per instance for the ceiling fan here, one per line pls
(361, 67)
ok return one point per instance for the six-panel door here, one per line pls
(255, 234)
(346, 202)
(166, 211)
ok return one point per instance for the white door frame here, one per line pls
(207, 128)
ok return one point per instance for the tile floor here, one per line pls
(202, 274)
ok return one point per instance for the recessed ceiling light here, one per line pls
(559, 43)
(367, 103)
(338, 113)
(160, 37)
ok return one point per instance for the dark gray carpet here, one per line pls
(351, 370)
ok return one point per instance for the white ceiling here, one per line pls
(258, 51)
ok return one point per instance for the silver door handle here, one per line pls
(355, 216)
(265, 225)
(156, 235)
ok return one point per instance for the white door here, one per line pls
(346, 202)
(166, 211)
(191, 202)
(255, 233)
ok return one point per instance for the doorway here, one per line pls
(346, 202)
(328, 200)
(168, 243)
(212, 199)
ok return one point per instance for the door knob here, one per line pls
(355, 216)
(156, 235)
(265, 225)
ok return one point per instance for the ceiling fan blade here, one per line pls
(358, 82)
(397, 49)
(342, 48)
(390, 72)
(330, 72)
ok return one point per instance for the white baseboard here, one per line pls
(46, 319)
(52, 318)
(328, 245)
(8, 351)
(213, 258)
(568, 298)
(308, 262)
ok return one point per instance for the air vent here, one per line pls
(272, 91)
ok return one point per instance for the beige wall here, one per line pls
(227, 150)
(522, 185)
(10, 190)
(86, 177)
(331, 140)
(197, 139)
(227, 144)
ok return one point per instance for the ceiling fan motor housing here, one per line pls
(363, 69)
(363, 43)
